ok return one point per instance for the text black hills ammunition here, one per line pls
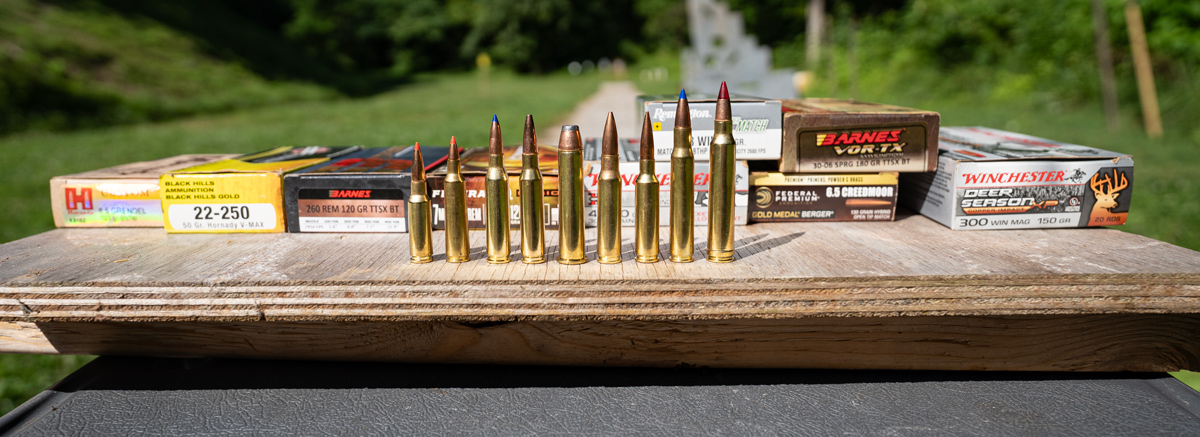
(570, 178)
(993, 179)
(420, 230)
(533, 231)
(458, 245)
(608, 209)
(242, 194)
(682, 195)
(847, 136)
(496, 192)
(364, 191)
(720, 189)
(646, 209)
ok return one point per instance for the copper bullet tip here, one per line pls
(609, 141)
(683, 116)
(495, 141)
(568, 139)
(529, 141)
(647, 152)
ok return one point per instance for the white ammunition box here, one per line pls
(992, 179)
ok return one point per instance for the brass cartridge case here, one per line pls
(420, 227)
(496, 197)
(683, 197)
(571, 244)
(646, 224)
(458, 246)
(720, 193)
(608, 210)
(533, 229)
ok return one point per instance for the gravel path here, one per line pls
(617, 97)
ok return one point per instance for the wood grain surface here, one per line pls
(797, 295)
(1045, 343)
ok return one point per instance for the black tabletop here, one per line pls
(119, 395)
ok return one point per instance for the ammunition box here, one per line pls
(780, 197)
(242, 194)
(474, 170)
(629, 173)
(364, 191)
(757, 125)
(847, 136)
(124, 196)
(992, 179)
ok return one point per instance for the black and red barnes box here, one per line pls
(366, 191)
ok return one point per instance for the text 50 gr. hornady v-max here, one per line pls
(992, 179)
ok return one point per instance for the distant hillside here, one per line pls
(69, 65)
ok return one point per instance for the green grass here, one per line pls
(22, 376)
(81, 64)
(429, 110)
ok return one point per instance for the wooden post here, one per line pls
(1141, 66)
(1108, 82)
(852, 58)
(812, 37)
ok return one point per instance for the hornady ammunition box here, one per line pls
(474, 169)
(121, 196)
(757, 125)
(992, 179)
(780, 197)
(365, 191)
(242, 194)
(629, 168)
(846, 136)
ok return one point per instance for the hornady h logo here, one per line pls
(79, 198)
(349, 194)
(866, 142)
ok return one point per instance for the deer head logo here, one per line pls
(1107, 189)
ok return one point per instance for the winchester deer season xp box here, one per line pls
(365, 191)
(474, 170)
(847, 136)
(123, 196)
(629, 149)
(992, 179)
(757, 125)
(242, 194)
(780, 197)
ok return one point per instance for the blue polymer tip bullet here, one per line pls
(682, 94)
(494, 119)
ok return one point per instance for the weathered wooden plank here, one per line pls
(912, 267)
(1043, 342)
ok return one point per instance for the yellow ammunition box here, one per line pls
(242, 194)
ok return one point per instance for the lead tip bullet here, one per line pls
(568, 139)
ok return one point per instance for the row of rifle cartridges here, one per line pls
(570, 170)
